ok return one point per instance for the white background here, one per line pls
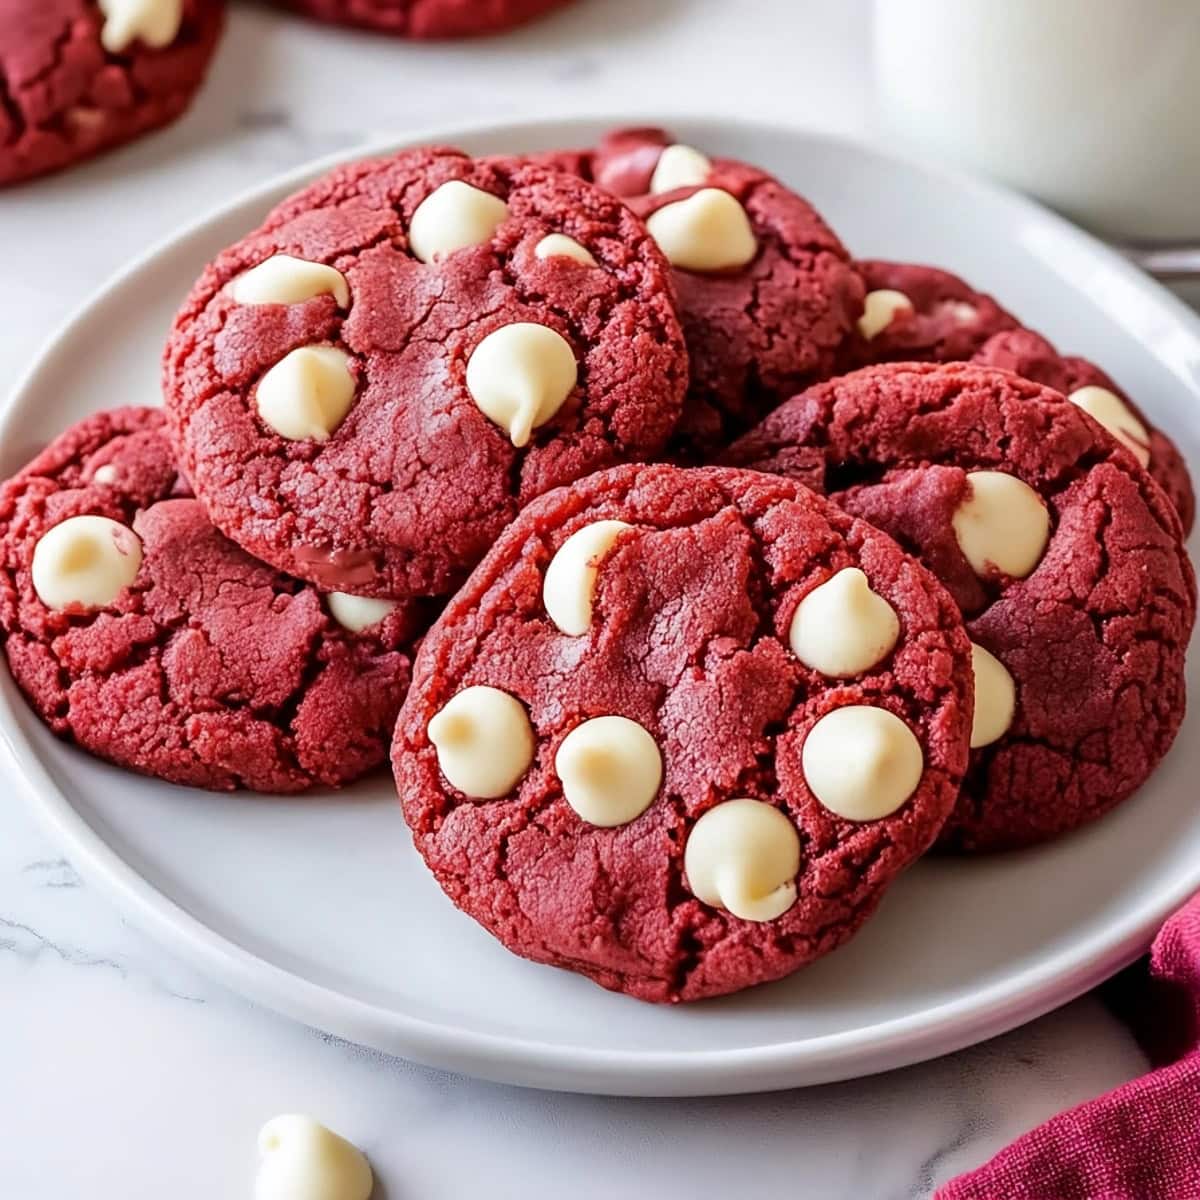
(122, 1073)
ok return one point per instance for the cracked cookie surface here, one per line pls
(757, 333)
(64, 97)
(1093, 636)
(209, 669)
(689, 639)
(417, 481)
(1029, 354)
(427, 18)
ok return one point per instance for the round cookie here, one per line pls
(1063, 554)
(767, 294)
(141, 634)
(1084, 383)
(427, 18)
(366, 390)
(616, 757)
(915, 313)
(82, 76)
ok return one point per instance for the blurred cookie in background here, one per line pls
(82, 76)
(427, 18)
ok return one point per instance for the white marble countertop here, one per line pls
(126, 1075)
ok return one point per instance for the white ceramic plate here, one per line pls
(320, 907)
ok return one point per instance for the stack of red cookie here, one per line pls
(708, 577)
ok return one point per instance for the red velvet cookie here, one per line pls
(1063, 554)
(367, 389)
(767, 294)
(427, 18)
(682, 728)
(1081, 381)
(140, 633)
(920, 314)
(78, 77)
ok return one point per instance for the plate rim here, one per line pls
(868, 1049)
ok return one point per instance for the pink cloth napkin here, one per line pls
(1142, 1141)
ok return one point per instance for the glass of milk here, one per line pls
(1091, 105)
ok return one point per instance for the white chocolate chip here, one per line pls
(744, 856)
(558, 245)
(610, 769)
(85, 561)
(1001, 525)
(679, 166)
(282, 279)
(299, 1159)
(484, 742)
(357, 613)
(85, 117)
(453, 216)
(570, 582)
(962, 311)
(842, 627)
(709, 231)
(1113, 413)
(307, 393)
(519, 376)
(879, 309)
(995, 698)
(862, 762)
(155, 22)
(107, 473)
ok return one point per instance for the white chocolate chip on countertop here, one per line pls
(708, 231)
(484, 741)
(519, 376)
(299, 1159)
(1002, 524)
(357, 613)
(283, 279)
(307, 394)
(1106, 407)
(610, 768)
(679, 166)
(154, 22)
(570, 583)
(862, 762)
(995, 698)
(879, 310)
(843, 627)
(452, 217)
(85, 561)
(743, 856)
(558, 245)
